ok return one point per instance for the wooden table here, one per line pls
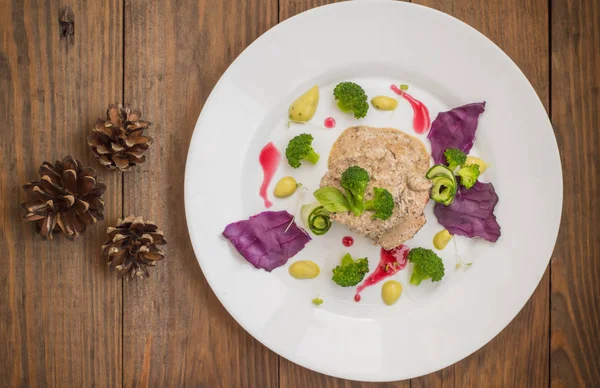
(66, 321)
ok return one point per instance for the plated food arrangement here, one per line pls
(377, 184)
(426, 84)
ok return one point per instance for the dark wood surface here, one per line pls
(60, 310)
(66, 321)
(575, 114)
(175, 331)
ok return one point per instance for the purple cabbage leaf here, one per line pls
(267, 240)
(454, 129)
(471, 213)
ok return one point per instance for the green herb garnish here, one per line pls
(427, 265)
(300, 149)
(350, 272)
(455, 158)
(351, 98)
(382, 204)
(468, 175)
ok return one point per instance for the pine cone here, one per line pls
(119, 141)
(67, 198)
(131, 247)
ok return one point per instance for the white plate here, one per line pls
(446, 64)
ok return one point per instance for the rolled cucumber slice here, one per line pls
(439, 170)
(443, 190)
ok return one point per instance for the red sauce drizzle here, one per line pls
(269, 160)
(390, 262)
(329, 122)
(421, 120)
(347, 241)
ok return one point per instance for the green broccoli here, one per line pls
(468, 175)
(300, 148)
(354, 181)
(351, 97)
(454, 158)
(427, 265)
(350, 272)
(382, 203)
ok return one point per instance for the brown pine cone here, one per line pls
(67, 198)
(119, 141)
(131, 247)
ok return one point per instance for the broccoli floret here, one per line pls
(382, 203)
(455, 158)
(350, 272)
(351, 97)
(468, 175)
(354, 181)
(428, 265)
(300, 148)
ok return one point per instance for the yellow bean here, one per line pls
(285, 187)
(305, 106)
(304, 269)
(391, 291)
(478, 161)
(384, 103)
(441, 239)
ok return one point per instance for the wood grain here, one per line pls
(60, 308)
(445, 6)
(176, 333)
(66, 321)
(575, 313)
(519, 355)
(292, 375)
(289, 8)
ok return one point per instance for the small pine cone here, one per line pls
(67, 198)
(131, 247)
(119, 141)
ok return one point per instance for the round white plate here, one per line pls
(446, 64)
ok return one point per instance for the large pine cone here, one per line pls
(119, 141)
(131, 247)
(67, 198)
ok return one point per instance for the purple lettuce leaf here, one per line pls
(264, 241)
(471, 213)
(454, 129)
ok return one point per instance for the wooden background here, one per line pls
(66, 321)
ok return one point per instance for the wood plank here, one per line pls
(176, 332)
(289, 8)
(519, 355)
(575, 314)
(60, 307)
(440, 379)
(441, 5)
(292, 375)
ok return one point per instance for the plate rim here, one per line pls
(273, 30)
